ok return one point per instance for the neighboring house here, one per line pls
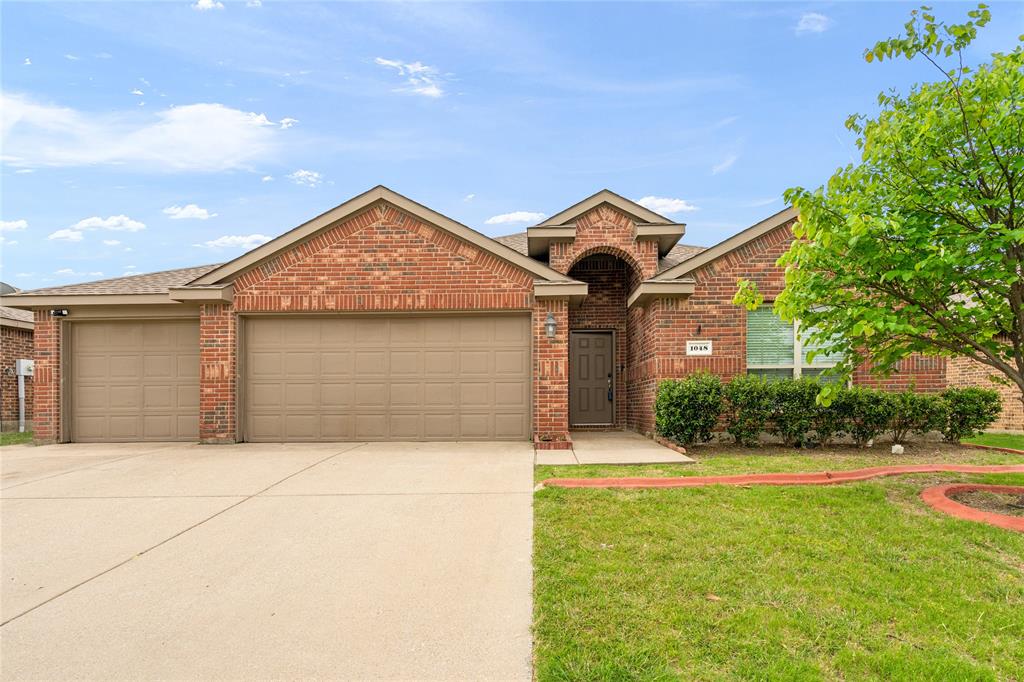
(382, 319)
(15, 344)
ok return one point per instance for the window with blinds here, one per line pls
(775, 351)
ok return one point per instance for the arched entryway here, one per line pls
(599, 341)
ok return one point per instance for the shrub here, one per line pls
(915, 412)
(870, 413)
(833, 420)
(686, 410)
(969, 411)
(793, 409)
(748, 408)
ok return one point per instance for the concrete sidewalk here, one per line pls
(612, 447)
(332, 561)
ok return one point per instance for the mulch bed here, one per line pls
(997, 503)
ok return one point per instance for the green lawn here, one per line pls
(1002, 440)
(15, 438)
(856, 581)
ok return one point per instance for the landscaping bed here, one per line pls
(995, 502)
(861, 580)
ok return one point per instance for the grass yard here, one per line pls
(1000, 440)
(855, 581)
(15, 438)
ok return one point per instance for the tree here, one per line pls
(919, 248)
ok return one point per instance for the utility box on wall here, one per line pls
(25, 368)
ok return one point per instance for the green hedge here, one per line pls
(688, 410)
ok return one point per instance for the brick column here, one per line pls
(47, 379)
(218, 335)
(551, 373)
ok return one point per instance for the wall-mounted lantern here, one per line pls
(550, 326)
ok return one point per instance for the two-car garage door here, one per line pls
(443, 377)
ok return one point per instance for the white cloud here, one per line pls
(236, 241)
(138, 93)
(64, 271)
(13, 225)
(725, 164)
(103, 55)
(27, 62)
(71, 57)
(7, 242)
(666, 205)
(193, 137)
(812, 22)
(254, 3)
(111, 242)
(758, 203)
(468, 198)
(267, 178)
(306, 177)
(287, 123)
(189, 212)
(515, 217)
(118, 223)
(145, 82)
(68, 272)
(24, 171)
(66, 235)
(420, 78)
(206, 5)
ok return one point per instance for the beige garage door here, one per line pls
(135, 381)
(387, 378)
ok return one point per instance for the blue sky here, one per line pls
(149, 136)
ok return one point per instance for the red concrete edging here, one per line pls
(937, 497)
(997, 448)
(796, 478)
(665, 442)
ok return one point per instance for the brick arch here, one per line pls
(622, 254)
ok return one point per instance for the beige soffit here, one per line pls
(29, 301)
(538, 239)
(731, 244)
(605, 196)
(18, 319)
(652, 289)
(572, 290)
(667, 236)
(359, 203)
(203, 294)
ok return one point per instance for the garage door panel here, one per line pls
(387, 378)
(134, 380)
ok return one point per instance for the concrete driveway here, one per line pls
(340, 561)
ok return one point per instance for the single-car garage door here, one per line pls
(387, 378)
(135, 381)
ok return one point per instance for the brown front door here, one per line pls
(590, 378)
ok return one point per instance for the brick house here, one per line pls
(16, 328)
(384, 320)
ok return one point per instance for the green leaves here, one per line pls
(919, 247)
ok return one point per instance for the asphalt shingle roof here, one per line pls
(15, 314)
(149, 283)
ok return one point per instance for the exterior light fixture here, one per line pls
(550, 326)
(59, 312)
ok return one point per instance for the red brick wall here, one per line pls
(46, 382)
(218, 373)
(924, 374)
(605, 309)
(606, 230)
(15, 344)
(964, 372)
(384, 260)
(551, 371)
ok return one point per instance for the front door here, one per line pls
(591, 368)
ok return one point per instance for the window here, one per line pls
(775, 350)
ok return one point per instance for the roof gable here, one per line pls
(605, 196)
(311, 228)
(729, 245)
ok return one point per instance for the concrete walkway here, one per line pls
(328, 561)
(612, 447)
